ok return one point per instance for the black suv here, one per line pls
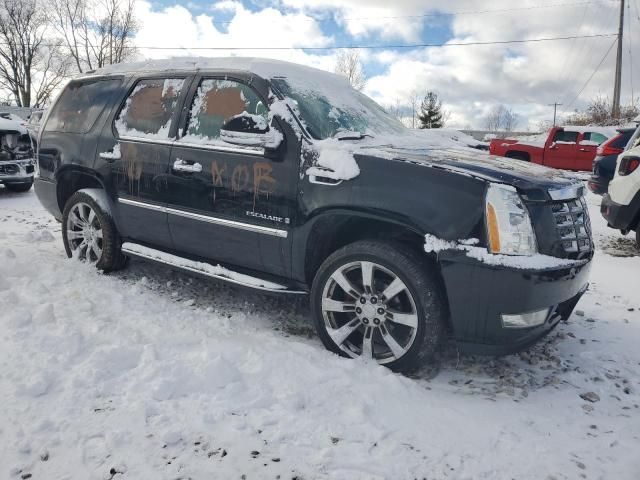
(283, 178)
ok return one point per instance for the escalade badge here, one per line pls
(264, 216)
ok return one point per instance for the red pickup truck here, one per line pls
(570, 148)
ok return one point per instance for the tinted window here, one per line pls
(621, 140)
(595, 137)
(564, 136)
(80, 104)
(149, 108)
(215, 102)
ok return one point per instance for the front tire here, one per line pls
(381, 300)
(89, 233)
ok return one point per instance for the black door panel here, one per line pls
(230, 190)
(229, 203)
(135, 149)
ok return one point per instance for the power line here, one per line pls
(583, 57)
(592, 74)
(364, 47)
(565, 64)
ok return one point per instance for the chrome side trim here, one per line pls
(229, 223)
(146, 140)
(258, 152)
(190, 266)
(148, 206)
(206, 218)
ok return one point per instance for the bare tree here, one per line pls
(30, 68)
(348, 64)
(493, 121)
(501, 118)
(96, 32)
(510, 120)
(598, 112)
(413, 100)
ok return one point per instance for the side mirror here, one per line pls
(250, 131)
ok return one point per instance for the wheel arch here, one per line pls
(333, 229)
(72, 178)
(518, 155)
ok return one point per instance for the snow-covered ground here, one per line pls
(153, 374)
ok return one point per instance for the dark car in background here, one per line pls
(604, 165)
(17, 166)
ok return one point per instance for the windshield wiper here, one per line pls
(350, 135)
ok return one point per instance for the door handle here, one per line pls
(584, 150)
(186, 166)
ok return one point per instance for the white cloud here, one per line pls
(470, 80)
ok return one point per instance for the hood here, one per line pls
(532, 180)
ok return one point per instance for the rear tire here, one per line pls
(382, 300)
(518, 156)
(89, 234)
(19, 187)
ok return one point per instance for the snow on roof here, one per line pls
(266, 68)
(608, 131)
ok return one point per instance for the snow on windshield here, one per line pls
(329, 105)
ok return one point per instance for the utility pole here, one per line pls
(555, 106)
(615, 112)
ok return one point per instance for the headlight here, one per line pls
(508, 224)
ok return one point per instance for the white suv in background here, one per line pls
(621, 206)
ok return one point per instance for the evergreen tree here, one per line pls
(431, 111)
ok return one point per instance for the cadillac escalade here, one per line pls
(284, 179)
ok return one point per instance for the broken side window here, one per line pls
(149, 108)
(215, 102)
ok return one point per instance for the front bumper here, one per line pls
(621, 217)
(479, 294)
(17, 171)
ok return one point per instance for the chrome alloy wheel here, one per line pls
(84, 233)
(368, 310)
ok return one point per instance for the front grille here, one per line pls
(9, 169)
(573, 227)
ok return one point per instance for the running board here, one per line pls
(213, 271)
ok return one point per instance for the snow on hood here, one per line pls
(12, 123)
(437, 150)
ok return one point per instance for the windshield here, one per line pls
(328, 108)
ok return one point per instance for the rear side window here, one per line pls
(215, 102)
(595, 137)
(565, 137)
(149, 108)
(80, 104)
